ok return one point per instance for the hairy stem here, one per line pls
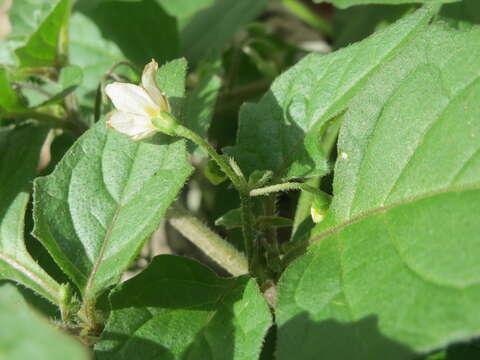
(219, 159)
(248, 223)
(218, 249)
(267, 190)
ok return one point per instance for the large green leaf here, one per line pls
(19, 156)
(179, 309)
(47, 43)
(104, 199)
(281, 132)
(24, 334)
(211, 29)
(394, 268)
(347, 3)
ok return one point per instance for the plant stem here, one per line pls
(87, 314)
(248, 223)
(219, 159)
(282, 187)
(218, 249)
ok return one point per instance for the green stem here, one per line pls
(87, 314)
(219, 159)
(219, 250)
(282, 187)
(248, 223)
(248, 229)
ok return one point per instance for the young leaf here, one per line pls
(24, 334)
(231, 220)
(281, 132)
(19, 155)
(104, 199)
(179, 309)
(171, 79)
(394, 269)
(47, 44)
(210, 30)
(347, 3)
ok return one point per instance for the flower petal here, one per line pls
(131, 98)
(136, 126)
(149, 83)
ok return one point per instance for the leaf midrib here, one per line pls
(108, 234)
(382, 209)
(29, 274)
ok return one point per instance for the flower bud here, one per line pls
(320, 204)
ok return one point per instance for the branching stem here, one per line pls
(248, 223)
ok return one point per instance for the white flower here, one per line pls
(137, 105)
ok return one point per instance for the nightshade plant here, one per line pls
(340, 221)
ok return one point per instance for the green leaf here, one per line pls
(19, 156)
(394, 267)
(347, 3)
(71, 76)
(104, 199)
(231, 220)
(211, 30)
(171, 79)
(69, 79)
(281, 132)
(46, 46)
(9, 101)
(184, 8)
(23, 25)
(150, 34)
(26, 335)
(179, 309)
